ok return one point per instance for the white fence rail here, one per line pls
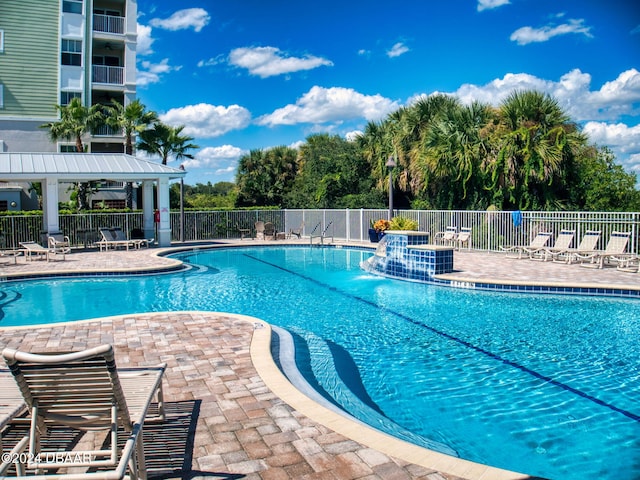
(490, 229)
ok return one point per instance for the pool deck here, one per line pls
(223, 389)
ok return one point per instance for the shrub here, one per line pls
(403, 223)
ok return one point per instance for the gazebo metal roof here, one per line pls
(81, 166)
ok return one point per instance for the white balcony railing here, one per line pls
(106, 131)
(108, 75)
(108, 24)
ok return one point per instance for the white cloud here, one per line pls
(269, 61)
(321, 105)
(222, 159)
(149, 72)
(526, 35)
(353, 135)
(490, 4)
(620, 136)
(143, 46)
(196, 18)
(206, 121)
(211, 61)
(599, 110)
(397, 50)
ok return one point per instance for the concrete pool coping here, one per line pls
(413, 461)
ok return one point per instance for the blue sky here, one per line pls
(254, 74)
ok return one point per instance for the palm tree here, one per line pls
(76, 120)
(132, 120)
(535, 149)
(166, 141)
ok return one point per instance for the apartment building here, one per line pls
(52, 51)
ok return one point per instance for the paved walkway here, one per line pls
(224, 391)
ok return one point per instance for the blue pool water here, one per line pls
(545, 385)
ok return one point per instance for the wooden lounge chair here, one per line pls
(588, 244)
(84, 391)
(562, 243)
(613, 252)
(526, 251)
(11, 255)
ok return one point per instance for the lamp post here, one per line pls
(182, 205)
(391, 164)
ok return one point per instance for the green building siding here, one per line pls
(30, 62)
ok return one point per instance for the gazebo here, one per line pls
(53, 168)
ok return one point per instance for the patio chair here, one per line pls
(269, 231)
(59, 243)
(259, 225)
(244, 232)
(588, 244)
(537, 244)
(562, 243)
(296, 231)
(464, 237)
(85, 391)
(613, 252)
(448, 237)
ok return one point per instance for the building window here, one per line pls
(71, 52)
(65, 97)
(100, 204)
(67, 148)
(72, 6)
(1, 96)
(4, 205)
(1, 40)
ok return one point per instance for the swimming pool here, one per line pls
(547, 385)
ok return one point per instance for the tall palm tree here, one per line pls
(535, 148)
(76, 120)
(132, 120)
(166, 141)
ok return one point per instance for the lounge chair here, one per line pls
(562, 243)
(537, 244)
(111, 238)
(464, 237)
(587, 245)
(84, 391)
(138, 235)
(448, 237)
(11, 255)
(34, 249)
(613, 252)
(59, 243)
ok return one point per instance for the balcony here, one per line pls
(106, 131)
(108, 24)
(108, 75)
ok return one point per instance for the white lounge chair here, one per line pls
(613, 252)
(111, 240)
(562, 243)
(464, 237)
(537, 245)
(35, 250)
(588, 244)
(84, 391)
(448, 237)
(296, 231)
